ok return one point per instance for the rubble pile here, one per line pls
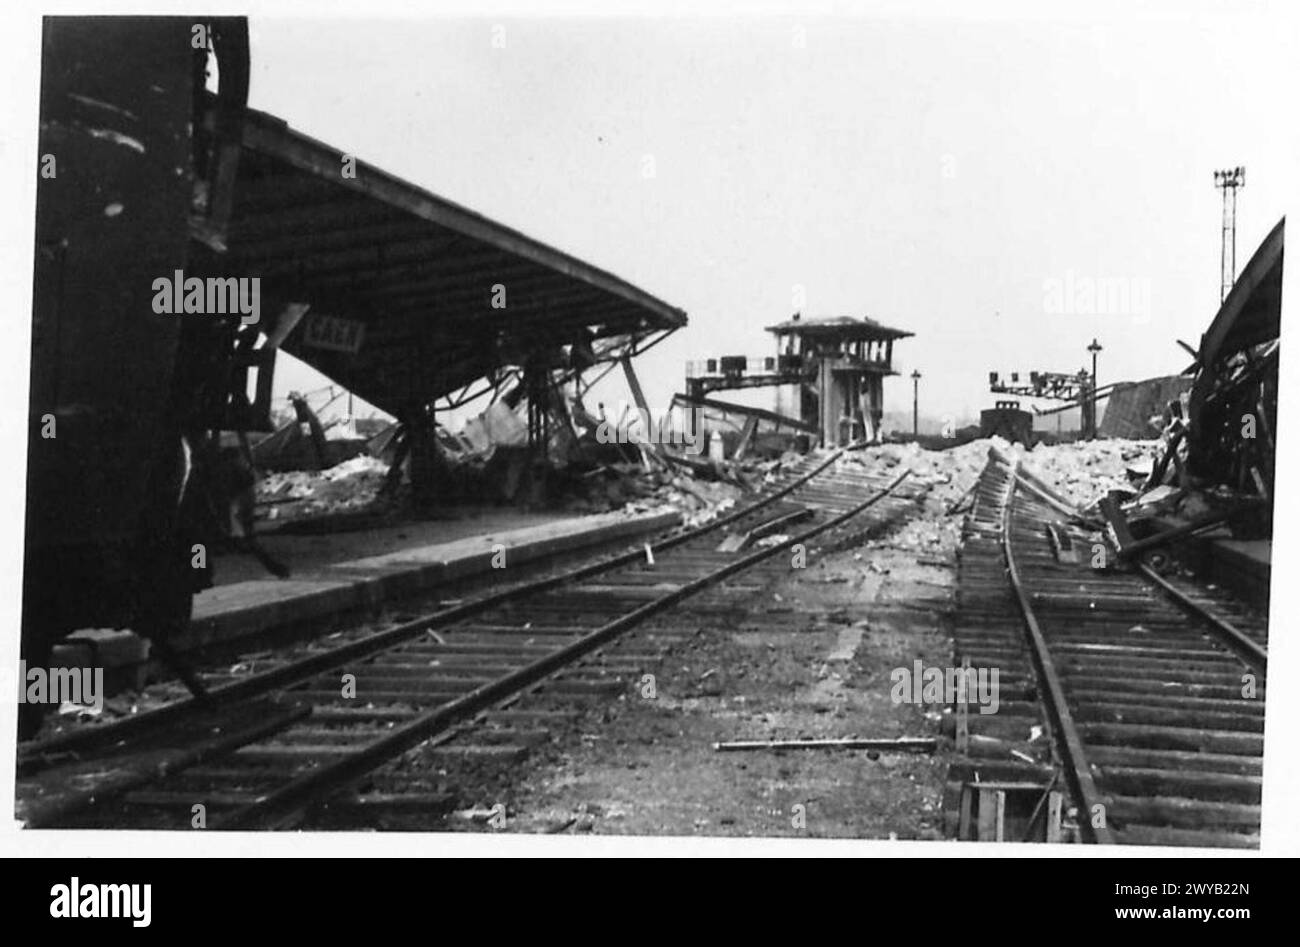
(703, 489)
(698, 501)
(349, 487)
(698, 493)
(1083, 471)
(950, 476)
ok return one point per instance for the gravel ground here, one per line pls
(802, 664)
(811, 657)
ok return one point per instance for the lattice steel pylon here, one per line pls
(1228, 182)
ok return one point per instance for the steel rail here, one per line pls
(278, 678)
(1031, 481)
(271, 810)
(1068, 743)
(1247, 649)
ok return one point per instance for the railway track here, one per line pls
(1147, 691)
(482, 682)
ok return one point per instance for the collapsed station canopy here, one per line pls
(1252, 312)
(401, 284)
(1236, 378)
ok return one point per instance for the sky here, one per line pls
(968, 180)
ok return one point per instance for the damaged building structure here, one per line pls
(419, 306)
(835, 367)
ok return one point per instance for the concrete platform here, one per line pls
(239, 609)
(1243, 565)
(307, 551)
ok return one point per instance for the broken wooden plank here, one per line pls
(1117, 523)
(1164, 537)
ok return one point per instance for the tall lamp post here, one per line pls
(916, 417)
(1094, 348)
(1228, 182)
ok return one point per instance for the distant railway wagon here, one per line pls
(1006, 419)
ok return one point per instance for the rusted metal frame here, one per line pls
(1250, 651)
(638, 349)
(298, 671)
(468, 397)
(609, 366)
(272, 809)
(465, 394)
(611, 359)
(501, 377)
(1068, 743)
(264, 133)
(609, 356)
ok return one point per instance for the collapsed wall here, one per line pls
(1131, 407)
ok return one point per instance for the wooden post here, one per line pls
(1054, 803)
(963, 712)
(992, 815)
(964, 820)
